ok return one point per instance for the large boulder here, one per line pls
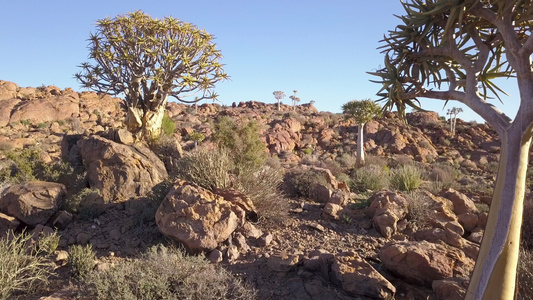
(48, 109)
(461, 203)
(34, 202)
(451, 238)
(359, 278)
(120, 171)
(387, 209)
(198, 218)
(423, 262)
(6, 107)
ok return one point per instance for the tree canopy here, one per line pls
(455, 50)
(361, 111)
(149, 59)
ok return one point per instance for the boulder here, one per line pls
(49, 109)
(450, 288)
(359, 278)
(197, 218)
(423, 262)
(6, 107)
(33, 202)
(461, 203)
(120, 171)
(387, 209)
(451, 238)
(7, 223)
(8, 90)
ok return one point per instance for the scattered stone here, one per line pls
(450, 288)
(317, 227)
(279, 263)
(83, 238)
(359, 278)
(215, 256)
(265, 240)
(62, 219)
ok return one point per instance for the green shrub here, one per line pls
(307, 151)
(165, 273)
(370, 177)
(168, 127)
(243, 142)
(24, 267)
(406, 178)
(81, 260)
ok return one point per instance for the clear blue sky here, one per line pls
(323, 49)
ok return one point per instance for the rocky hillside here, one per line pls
(339, 233)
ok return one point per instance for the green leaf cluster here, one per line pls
(361, 111)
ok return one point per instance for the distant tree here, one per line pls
(453, 50)
(147, 60)
(295, 100)
(453, 117)
(361, 112)
(279, 95)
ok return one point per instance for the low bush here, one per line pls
(527, 225)
(81, 260)
(525, 275)
(303, 182)
(165, 273)
(419, 208)
(442, 177)
(406, 178)
(24, 267)
(208, 168)
(370, 177)
(48, 243)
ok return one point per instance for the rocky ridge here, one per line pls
(327, 248)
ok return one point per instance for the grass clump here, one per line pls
(370, 177)
(419, 208)
(81, 260)
(24, 267)
(406, 178)
(165, 273)
(207, 168)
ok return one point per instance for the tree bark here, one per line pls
(494, 275)
(360, 148)
(145, 123)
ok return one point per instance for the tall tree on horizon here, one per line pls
(279, 95)
(361, 112)
(453, 50)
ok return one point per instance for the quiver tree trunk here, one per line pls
(145, 123)
(360, 145)
(494, 276)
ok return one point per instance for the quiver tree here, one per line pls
(453, 50)
(148, 60)
(279, 95)
(453, 118)
(361, 112)
(294, 99)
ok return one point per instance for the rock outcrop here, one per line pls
(120, 171)
(386, 210)
(423, 262)
(197, 218)
(34, 202)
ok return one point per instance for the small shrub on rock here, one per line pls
(81, 260)
(165, 273)
(419, 208)
(24, 267)
(303, 182)
(208, 168)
